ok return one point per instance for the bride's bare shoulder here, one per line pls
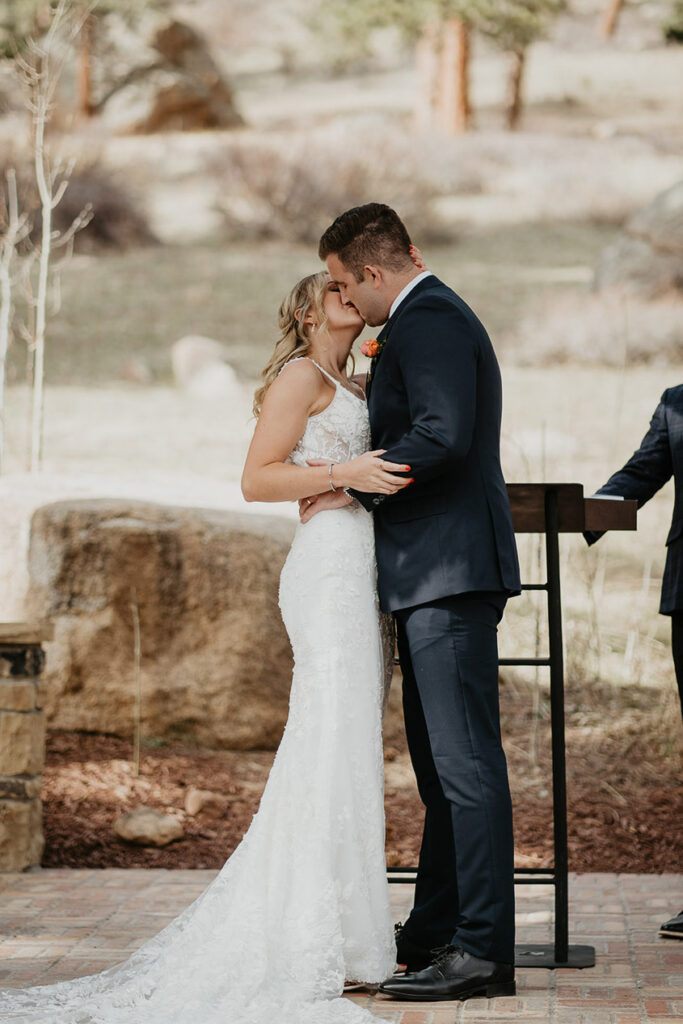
(297, 382)
(300, 372)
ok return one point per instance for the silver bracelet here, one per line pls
(329, 474)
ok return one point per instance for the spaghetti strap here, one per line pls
(298, 359)
(338, 386)
(335, 382)
(289, 362)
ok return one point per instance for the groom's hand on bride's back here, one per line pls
(308, 507)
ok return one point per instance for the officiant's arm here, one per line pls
(646, 471)
(437, 351)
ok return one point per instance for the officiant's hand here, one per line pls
(308, 507)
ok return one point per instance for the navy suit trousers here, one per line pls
(465, 888)
(677, 650)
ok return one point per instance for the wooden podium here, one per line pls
(553, 509)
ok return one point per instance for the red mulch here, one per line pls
(625, 797)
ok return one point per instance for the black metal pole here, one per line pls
(552, 548)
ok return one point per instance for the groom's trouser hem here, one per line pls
(465, 887)
(677, 650)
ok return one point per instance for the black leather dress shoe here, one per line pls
(454, 974)
(408, 953)
(673, 929)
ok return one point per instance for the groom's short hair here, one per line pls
(373, 234)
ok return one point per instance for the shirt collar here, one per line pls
(406, 291)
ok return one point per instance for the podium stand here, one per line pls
(553, 509)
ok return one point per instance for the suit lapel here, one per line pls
(383, 335)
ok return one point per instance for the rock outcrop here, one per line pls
(215, 663)
(647, 260)
(197, 799)
(201, 368)
(171, 82)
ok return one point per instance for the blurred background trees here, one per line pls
(673, 26)
(441, 31)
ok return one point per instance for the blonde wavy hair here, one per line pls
(294, 340)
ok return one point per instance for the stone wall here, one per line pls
(22, 749)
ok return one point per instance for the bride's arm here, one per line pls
(289, 401)
(267, 476)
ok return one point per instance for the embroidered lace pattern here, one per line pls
(303, 901)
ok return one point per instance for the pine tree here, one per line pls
(513, 25)
(608, 22)
(442, 31)
(439, 31)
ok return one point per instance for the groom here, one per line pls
(447, 563)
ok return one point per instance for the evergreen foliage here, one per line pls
(673, 27)
(513, 24)
(23, 18)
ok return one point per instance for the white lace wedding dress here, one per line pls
(302, 904)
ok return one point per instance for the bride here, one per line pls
(302, 904)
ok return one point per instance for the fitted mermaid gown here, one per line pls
(302, 904)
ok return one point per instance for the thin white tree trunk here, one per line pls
(39, 71)
(46, 204)
(14, 233)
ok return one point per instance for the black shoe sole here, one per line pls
(501, 988)
(670, 934)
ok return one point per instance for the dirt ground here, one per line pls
(624, 770)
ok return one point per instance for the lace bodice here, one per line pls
(339, 433)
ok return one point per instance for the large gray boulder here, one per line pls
(215, 658)
(647, 260)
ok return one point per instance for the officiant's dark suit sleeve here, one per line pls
(659, 457)
(646, 471)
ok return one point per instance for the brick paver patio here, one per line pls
(57, 924)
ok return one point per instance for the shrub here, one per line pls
(673, 26)
(293, 188)
(609, 329)
(117, 221)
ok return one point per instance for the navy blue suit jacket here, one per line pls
(659, 457)
(435, 404)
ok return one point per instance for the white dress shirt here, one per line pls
(408, 288)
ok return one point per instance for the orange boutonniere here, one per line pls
(372, 348)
